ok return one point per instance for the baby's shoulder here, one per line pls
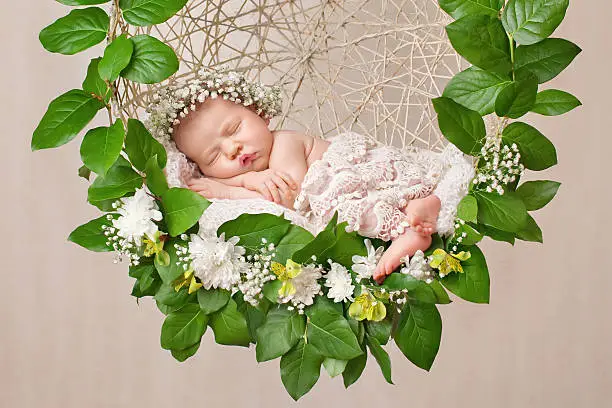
(291, 139)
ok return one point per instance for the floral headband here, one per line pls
(173, 102)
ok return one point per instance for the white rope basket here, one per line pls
(368, 66)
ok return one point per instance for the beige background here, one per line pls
(72, 336)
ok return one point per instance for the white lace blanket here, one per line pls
(447, 173)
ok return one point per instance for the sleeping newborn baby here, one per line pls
(381, 192)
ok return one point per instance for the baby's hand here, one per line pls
(268, 183)
(208, 188)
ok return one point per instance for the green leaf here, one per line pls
(101, 147)
(476, 89)
(295, 239)
(84, 172)
(117, 56)
(530, 21)
(91, 235)
(183, 328)
(94, 84)
(482, 41)
(417, 289)
(467, 209)
(353, 369)
(148, 282)
(324, 240)
(230, 326)
(118, 180)
(531, 232)
(382, 358)
(505, 212)
(473, 284)
(536, 194)
(212, 300)
(82, 2)
(66, 116)
(463, 127)
(334, 367)
(497, 235)
(156, 179)
(184, 354)
(380, 330)
(152, 61)
(517, 98)
(553, 102)
(149, 12)
(251, 228)
(329, 331)
(280, 331)
(418, 333)
(472, 236)
(182, 209)
(270, 290)
(537, 152)
(167, 295)
(170, 272)
(440, 292)
(545, 59)
(255, 317)
(300, 369)
(461, 8)
(79, 30)
(345, 246)
(140, 146)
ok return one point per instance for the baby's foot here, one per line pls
(406, 244)
(423, 214)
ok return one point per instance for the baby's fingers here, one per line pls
(273, 190)
(264, 191)
(288, 179)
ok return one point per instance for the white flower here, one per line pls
(418, 267)
(340, 283)
(306, 285)
(364, 266)
(137, 214)
(218, 263)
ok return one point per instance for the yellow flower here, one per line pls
(448, 263)
(188, 278)
(367, 307)
(285, 274)
(154, 245)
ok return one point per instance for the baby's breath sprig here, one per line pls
(256, 276)
(501, 166)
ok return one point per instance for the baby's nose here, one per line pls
(235, 150)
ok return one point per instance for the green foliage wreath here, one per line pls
(512, 54)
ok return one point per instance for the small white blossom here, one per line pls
(418, 267)
(338, 279)
(364, 266)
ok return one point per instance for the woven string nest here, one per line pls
(369, 66)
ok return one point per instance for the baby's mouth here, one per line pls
(246, 159)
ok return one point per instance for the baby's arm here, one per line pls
(289, 155)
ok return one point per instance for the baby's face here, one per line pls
(219, 134)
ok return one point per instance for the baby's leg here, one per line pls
(406, 244)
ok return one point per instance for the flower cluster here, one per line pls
(457, 237)
(418, 267)
(257, 274)
(173, 102)
(501, 166)
(134, 226)
(216, 262)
